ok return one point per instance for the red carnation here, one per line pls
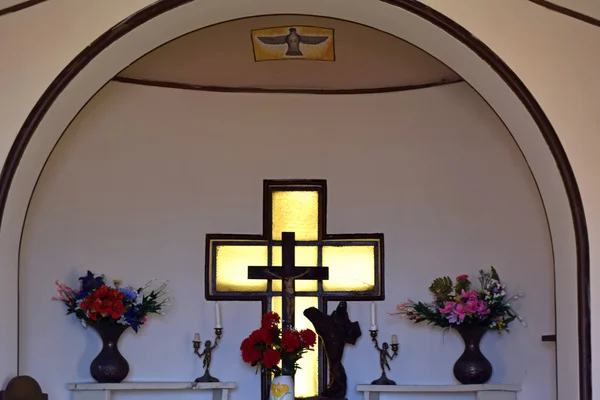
(265, 347)
(290, 340)
(250, 354)
(308, 337)
(462, 277)
(271, 358)
(270, 320)
(256, 337)
(266, 335)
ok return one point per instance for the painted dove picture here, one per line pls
(293, 43)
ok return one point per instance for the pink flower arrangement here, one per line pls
(455, 303)
(467, 303)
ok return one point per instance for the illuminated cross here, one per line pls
(354, 263)
(288, 273)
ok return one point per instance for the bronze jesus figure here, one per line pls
(289, 291)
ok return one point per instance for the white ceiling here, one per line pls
(222, 55)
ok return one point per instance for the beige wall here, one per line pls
(453, 195)
(588, 7)
(9, 3)
(556, 57)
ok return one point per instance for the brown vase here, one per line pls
(109, 366)
(472, 367)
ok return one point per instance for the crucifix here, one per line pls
(295, 265)
(288, 273)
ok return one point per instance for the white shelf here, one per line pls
(438, 388)
(103, 391)
(151, 386)
(483, 392)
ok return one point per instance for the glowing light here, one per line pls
(232, 268)
(350, 268)
(296, 211)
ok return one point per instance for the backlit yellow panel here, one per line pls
(296, 211)
(306, 256)
(276, 305)
(351, 268)
(307, 377)
(232, 268)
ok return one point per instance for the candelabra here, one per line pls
(384, 356)
(206, 355)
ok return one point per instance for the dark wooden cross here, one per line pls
(288, 273)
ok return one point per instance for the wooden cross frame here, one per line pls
(287, 264)
(288, 273)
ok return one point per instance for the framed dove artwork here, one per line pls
(296, 42)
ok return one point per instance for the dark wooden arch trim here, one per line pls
(568, 12)
(427, 13)
(245, 89)
(20, 6)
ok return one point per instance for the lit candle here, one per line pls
(394, 339)
(196, 337)
(218, 316)
(373, 320)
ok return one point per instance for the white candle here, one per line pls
(218, 316)
(373, 320)
(394, 339)
(196, 337)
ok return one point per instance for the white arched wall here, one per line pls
(380, 15)
(132, 187)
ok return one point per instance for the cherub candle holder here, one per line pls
(206, 355)
(384, 356)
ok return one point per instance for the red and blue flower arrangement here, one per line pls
(96, 303)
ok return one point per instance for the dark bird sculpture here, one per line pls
(293, 40)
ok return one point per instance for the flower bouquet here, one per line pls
(110, 311)
(471, 312)
(97, 303)
(269, 346)
(457, 304)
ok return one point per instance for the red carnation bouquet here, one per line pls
(266, 347)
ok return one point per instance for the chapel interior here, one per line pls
(175, 153)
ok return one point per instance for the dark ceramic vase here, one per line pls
(472, 367)
(109, 366)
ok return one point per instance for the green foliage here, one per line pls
(495, 274)
(441, 288)
(462, 284)
(428, 312)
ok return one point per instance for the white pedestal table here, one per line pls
(483, 392)
(103, 391)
